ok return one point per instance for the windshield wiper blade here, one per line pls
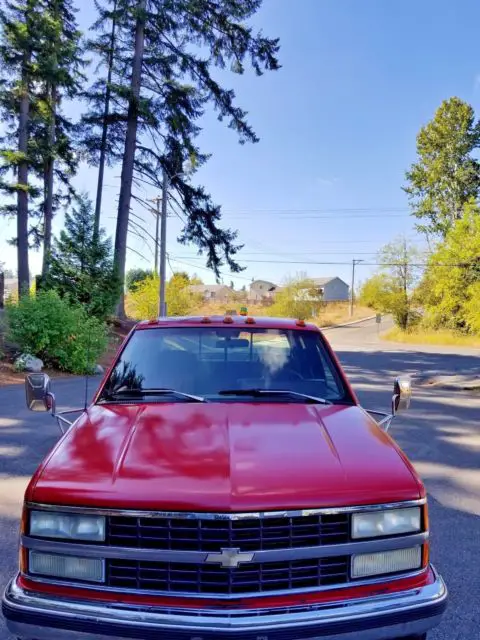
(259, 393)
(143, 393)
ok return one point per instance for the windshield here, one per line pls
(207, 362)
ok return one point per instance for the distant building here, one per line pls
(332, 289)
(212, 292)
(261, 290)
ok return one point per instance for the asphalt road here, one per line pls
(441, 435)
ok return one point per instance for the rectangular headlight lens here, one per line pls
(45, 524)
(376, 564)
(390, 522)
(68, 567)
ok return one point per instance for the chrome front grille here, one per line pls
(211, 535)
(204, 579)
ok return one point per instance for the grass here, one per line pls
(422, 336)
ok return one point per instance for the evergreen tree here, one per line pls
(167, 49)
(98, 123)
(20, 39)
(81, 266)
(59, 67)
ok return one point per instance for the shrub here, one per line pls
(57, 331)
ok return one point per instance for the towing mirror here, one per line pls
(402, 395)
(38, 394)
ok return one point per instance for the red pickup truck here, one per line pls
(224, 484)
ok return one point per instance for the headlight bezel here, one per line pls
(66, 527)
(382, 523)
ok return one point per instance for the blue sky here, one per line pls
(337, 125)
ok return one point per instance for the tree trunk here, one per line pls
(103, 145)
(22, 193)
(49, 184)
(129, 156)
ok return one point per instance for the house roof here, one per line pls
(200, 288)
(259, 282)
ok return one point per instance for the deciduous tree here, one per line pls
(392, 289)
(446, 175)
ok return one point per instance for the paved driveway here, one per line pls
(441, 434)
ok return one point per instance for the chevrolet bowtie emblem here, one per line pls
(229, 558)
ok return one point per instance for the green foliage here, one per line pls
(299, 298)
(135, 276)
(62, 334)
(446, 175)
(142, 303)
(392, 289)
(451, 285)
(81, 265)
(40, 57)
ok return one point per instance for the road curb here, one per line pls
(347, 324)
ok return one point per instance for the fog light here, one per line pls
(70, 567)
(375, 564)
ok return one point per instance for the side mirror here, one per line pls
(38, 394)
(402, 395)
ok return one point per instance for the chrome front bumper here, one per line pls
(33, 616)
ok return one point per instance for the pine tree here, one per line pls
(59, 66)
(156, 115)
(81, 265)
(99, 122)
(21, 29)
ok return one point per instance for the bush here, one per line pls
(57, 331)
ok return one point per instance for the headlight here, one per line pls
(68, 567)
(45, 524)
(377, 564)
(390, 522)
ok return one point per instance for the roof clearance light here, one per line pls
(228, 320)
(249, 320)
(206, 320)
(301, 323)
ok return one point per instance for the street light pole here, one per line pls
(163, 246)
(352, 289)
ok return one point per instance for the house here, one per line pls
(332, 289)
(261, 290)
(212, 292)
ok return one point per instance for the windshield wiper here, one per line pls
(125, 394)
(259, 393)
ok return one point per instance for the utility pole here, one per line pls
(352, 289)
(156, 213)
(163, 246)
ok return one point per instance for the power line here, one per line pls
(367, 264)
(196, 266)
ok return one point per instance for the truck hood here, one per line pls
(224, 457)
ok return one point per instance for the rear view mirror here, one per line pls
(402, 395)
(37, 391)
